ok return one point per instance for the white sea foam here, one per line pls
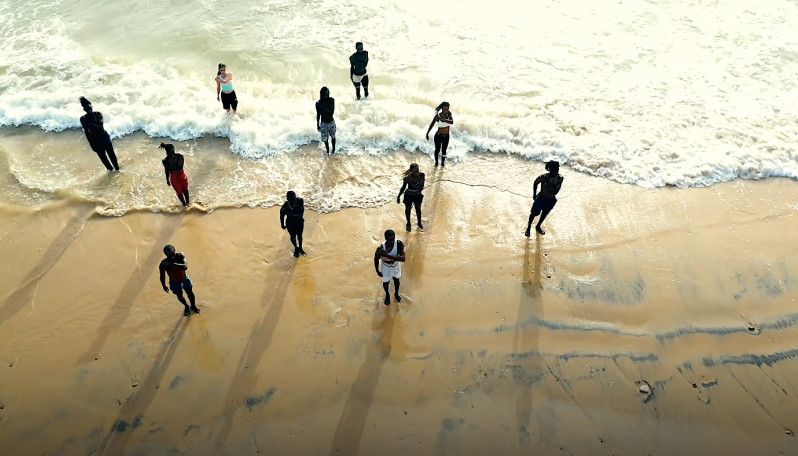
(652, 94)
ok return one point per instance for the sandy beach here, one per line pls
(501, 344)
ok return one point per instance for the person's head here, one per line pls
(170, 149)
(390, 236)
(359, 46)
(169, 250)
(444, 107)
(412, 170)
(290, 196)
(553, 166)
(222, 69)
(324, 93)
(86, 104)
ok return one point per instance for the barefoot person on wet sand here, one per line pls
(292, 219)
(99, 140)
(544, 202)
(443, 120)
(175, 176)
(412, 185)
(224, 89)
(325, 124)
(175, 266)
(392, 254)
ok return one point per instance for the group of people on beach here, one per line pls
(388, 256)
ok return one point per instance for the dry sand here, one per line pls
(501, 345)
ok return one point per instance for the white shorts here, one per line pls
(356, 79)
(391, 272)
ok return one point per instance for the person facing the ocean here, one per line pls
(412, 185)
(357, 69)
(224, 89)
(325, 108)
(175, 266)
(391, 254)
(292, 219)
(443, 120)
(544, 202)
(175, 176)
(99, 140)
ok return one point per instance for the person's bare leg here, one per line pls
(182, 300)
(192, 299)
(396, 292)
(387, 301)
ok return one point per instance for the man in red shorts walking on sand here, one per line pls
(175, 176)
(175, 266)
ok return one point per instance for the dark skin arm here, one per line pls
(166, 170)
(535, 187)
(449, 120)
(318, 118)
(401, 190)
(163, 279)
(282, 218)
(381, 253)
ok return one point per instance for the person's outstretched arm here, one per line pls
(401, 190)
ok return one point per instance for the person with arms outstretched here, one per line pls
(550, 185)
(391, 254)
(443, 120)
(325, 124)
(175, 176)
(357, 69)
(99, 140)
(412, 185)
(224, 89)
(175, 266)
(292, 219)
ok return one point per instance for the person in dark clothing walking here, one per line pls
(325, 124)
(175, 176)
(544, 202)
(292, 219)
(99, 141)
(175, 266)
(357, 69)
(412, 185)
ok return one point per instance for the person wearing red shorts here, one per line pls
(175, 176)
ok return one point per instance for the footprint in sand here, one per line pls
(339, 318)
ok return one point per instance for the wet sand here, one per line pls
(501, 344)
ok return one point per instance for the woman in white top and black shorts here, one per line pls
(224, 89)
(443, 119)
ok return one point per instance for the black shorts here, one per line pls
(229, 100)
(543, 204)
(411, 199)
(295, 226)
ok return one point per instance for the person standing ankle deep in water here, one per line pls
(175, 265)
(544, 202)
(391, 254)
(412, 185)
(444, 120)
(224, 89)
(325, 124)
(175, 176)
(357, 69)
(292, 219)
(99, 140)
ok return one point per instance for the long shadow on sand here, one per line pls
(419, 241)
(349, 431)
(260, 338)
(527, 339)
(132, 414)
(23, 292)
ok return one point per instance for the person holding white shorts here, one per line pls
(388, 259)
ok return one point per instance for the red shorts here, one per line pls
(179, 181)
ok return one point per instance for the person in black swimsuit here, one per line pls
(544, 202)
(443, 119)
(99, 140)
(412, 185)
(291, 219)
(357, 69)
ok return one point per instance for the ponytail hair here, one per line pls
(86, 104)
(410, 170)
(445, 104)
(221, 65)
(553, 166)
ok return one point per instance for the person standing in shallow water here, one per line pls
(292, 219)
(357, 69)
(443, 120)
(325, 108)
(175, 176)
(224, 89)
(99, 140)
(412, 185)
(175, 266)
(391, 254)
(544, 202)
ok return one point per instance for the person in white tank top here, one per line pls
(387, 262)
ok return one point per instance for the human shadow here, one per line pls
(132, 414)
(260, 338)
(23, 293)
(120, 309)
(349, 431)
(526, 340)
